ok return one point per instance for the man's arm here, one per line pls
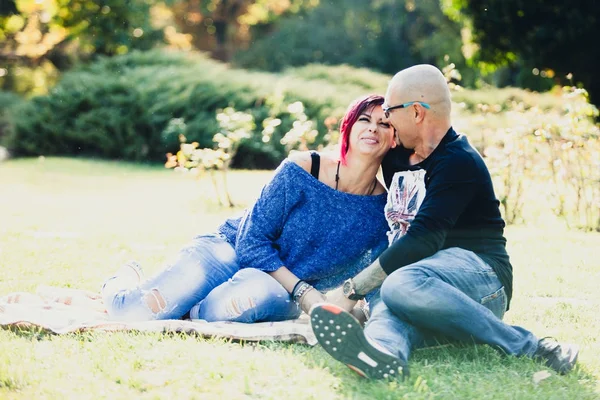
(370, 278)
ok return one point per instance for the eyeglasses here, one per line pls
(386, 110)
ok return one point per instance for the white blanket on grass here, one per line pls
(62, 310)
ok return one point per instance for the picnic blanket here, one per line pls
(62, 310)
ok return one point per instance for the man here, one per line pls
(446, 273)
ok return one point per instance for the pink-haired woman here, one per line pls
(318, 222)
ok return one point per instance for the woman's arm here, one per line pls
(263, 223)
(288, 280)
(284, 276)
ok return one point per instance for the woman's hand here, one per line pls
(360, 314)
(337, 297)
(310, 298)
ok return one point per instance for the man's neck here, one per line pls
(430, 141)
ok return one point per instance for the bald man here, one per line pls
(446, 274)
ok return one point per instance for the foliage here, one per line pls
(39, 38)
(384, 35)
(109, 27)
(235, 128)
(86, 114)
(163, 86)
(222, 27)
(574, 159)
(343, 74)
(550, 35)
(158, 86)
(94, 27)
(541, 147)
(8, 100)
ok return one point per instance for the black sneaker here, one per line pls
(559, 357)
(342, 337)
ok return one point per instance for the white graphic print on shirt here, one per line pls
(405, 195)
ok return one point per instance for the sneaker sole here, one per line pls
(341, 335)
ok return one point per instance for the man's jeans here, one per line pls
(451, 296)
(205, 276)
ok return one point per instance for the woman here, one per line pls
(318, 222)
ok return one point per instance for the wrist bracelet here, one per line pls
(300, 291)
(296, 287)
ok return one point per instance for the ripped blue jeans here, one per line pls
(205, 276)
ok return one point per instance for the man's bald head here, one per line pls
(423, 83)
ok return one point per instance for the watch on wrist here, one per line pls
(349, 291)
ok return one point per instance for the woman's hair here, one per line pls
(355, 109)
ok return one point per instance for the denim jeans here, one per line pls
(451, 296)
(205, 276)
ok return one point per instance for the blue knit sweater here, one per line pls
(322, 235)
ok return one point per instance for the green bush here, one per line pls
(343, 75)
(86, 114)
(119, 107)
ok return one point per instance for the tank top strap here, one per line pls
(316, 164)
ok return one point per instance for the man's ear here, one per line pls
(419, 113)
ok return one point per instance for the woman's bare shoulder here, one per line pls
(328, 159)
(302, 158)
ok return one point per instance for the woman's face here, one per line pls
(371, 134)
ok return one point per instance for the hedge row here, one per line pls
(118, 107)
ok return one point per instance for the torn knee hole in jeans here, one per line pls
(155, 301)
(237, 306)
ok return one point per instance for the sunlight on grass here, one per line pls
(70, 223)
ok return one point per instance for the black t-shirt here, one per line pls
(459, 209)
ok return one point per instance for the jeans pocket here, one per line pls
(496, 302)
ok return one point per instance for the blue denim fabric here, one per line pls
(251, 295)
(451, 296)
(198, 268)
(205, 278)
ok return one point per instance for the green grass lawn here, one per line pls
(70, 223)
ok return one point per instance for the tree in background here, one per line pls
(556, 37)
(385, 35)
(38, 36)
(108, 27)
(221, 27)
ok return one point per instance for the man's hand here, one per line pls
(310, 298)
(369, 278)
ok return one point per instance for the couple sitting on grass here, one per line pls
(428, 254)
